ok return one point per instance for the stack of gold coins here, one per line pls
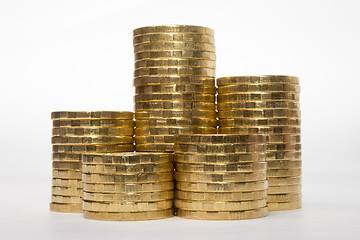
(174, 84)
(128, 186)
(220, 176)
(75, 133)
(267, 105)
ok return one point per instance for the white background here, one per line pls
(78, 55)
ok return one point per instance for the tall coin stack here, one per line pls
(267, 105)
(220, 176)
(75, 133)
(128, 186)
(174, 84)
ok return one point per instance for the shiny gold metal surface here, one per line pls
(91, 115)
(223, 158)
(115, 188)
(257, 79)
(66, 208)
(93, 123)
(126, 206)
(221, 196)
(219, 205)
(129, 216)
(173, 29)
(174, 63)
(128, 168)
(127, 178)
(166, 80)
(283, 206)
(93, 131)
(218, 168)
(219, 139)
(183, 37)
(127, 158)
(228, 187)
(223, 215)
(128, 197)
(220, 177)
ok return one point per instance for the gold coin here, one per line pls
(285, 197)
(175, 63)
(178, 54)
(193, 71)
(280, 155)
(172, 45)
(66, 208)
(127, 178)
(219, 138)
(68, 174)
(126, 206)
(70, 183)
(224, 158)
(129, 187)
(92, 140)
(290, 172)
(129, 216)
(67, 191)
(146, 114)
(223, 215)
(92, 148)
(174, 106)
(284, 164)
(164, 80)
(260, 130)
(175, 88)
(154, 139)
(283, 147)
(221, 177)
(220, 148)
(283, 206)
(93, 131)
(283, 138)
(66, 199)
(128, 168)
(67, 165)
(218, 168)
(280, 181)
(219, 206)
(183, 37)
(231, 97)
(273, 87)
(127, 197)
(91, 115)
(199, 97)
(164, 130)
(229, 187)
(93, 123)
(173, 29)
(176, 122)
(127, 158)
(221, 196)
(194, 138)
(258, 104)
(245, 122)
(257, 79)
(296, 188)
(155, 147)
(67, 157)
(260, 113)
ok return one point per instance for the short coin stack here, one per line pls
(174, 84)
(267, 105)
(128, 186)
(75, 133)
(220, 176)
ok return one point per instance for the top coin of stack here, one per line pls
(267, 105)
(174, 84)
(75, 133)
(220, 176)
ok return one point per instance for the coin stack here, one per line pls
(75, 133)
(174, 84)
(220, 176)
(267, 105)
(128, 186)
